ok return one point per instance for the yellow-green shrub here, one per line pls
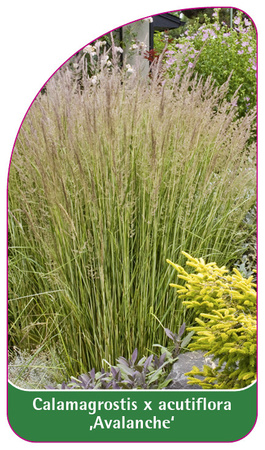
(225, 305)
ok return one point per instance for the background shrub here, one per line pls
(225, 312)
(214, 48)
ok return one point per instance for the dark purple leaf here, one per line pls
(182, 329)
(162, 359)
(169, 334)
(123, 361)
(148, 361)
(113, 371)
(134, 355)
(92, 373)
(85, 380)
(84, 377)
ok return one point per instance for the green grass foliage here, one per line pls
(105, 181)
(225, 308)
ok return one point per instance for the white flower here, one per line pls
(142, 45)
(104, 58)
(89, 49)
(103, 43)
(119, 49)
(129, 68)
(134, 47)
(75, 66)
(108, 63)
(94, 79)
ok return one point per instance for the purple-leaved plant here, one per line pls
(150, 372)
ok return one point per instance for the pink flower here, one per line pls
(212, 33)
(250, 49)
(247, 22)
(170, 61)
(240, 52)
(245, 43)
(216, 26)
(190, 65)
(237, 20)
(253, 63)
(226, 34)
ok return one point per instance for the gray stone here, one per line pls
(184, 364)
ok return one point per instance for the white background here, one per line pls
(36, 38)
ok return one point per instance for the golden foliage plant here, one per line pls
(225, 306)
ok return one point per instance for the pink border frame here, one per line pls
(120, 442)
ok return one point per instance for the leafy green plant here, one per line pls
(216, 49)
(225, 310)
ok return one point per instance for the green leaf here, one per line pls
(153, 376)
(187, 339)
(164, 383)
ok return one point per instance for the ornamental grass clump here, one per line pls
(225, 314)
(105, 180)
